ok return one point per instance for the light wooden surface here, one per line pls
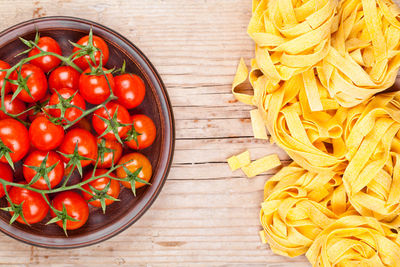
(205, 215)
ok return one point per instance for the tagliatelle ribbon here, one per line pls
(316, 75)
(298, 205)
(355, 241)
(364, 58)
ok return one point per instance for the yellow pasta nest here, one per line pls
(355, 241)
(298, 205)
(364, 56)
(316, 75)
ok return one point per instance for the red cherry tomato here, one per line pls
(46, 63)
(122, 117)
(64, 77)
(98, 42)
(37, 83)
(45, 135)
(133, 162)
(34, 207)
(14, 107)
(14, 135)
(35, 159)
(75, 206)
(129, 89)
(6, 173)
(71, 114)
(100, 184)
(94, 88)
(106, 159)
(36, 109)
(4, 66)
(87, 145)
(147, 130)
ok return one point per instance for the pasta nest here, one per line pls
(364, 56)
(298, 205)
(355, 241)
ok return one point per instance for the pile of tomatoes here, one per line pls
(52, 125)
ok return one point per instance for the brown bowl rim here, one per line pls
(166, 108)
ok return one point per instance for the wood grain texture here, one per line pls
(206, 215)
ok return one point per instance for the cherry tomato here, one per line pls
(133, 162)
(147, 130)
(38, 107)
(14, 135)
(46, 63)
(98, 42)
(106, 159)
(87, 145)
(37, 83)
(6, 173)
(64, 77)
(129, 89)
(45, 135)
(71, 114)
(4, 66)
(34, 207)
(100, 184)
(76, 207)
(35, 159)
(14, 107)
(122, 117)
(94, 88)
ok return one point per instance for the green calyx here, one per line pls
(101, 195)
(133, 135)
(62, 215)
(42, 171)
(133, 178)
(5, 152)
(102, 150)
(112, 125)
(22, 84)
(74, 161)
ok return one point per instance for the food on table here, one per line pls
(66, 116)
(94, 87)
(112, 122)
(29, 83)
(68, 104)
(142, 134)
(95, 44)
(64, 77)
(103, 191)
(109, 151)
(136, 169)
(80, 142)
(31, 206)
(72, 208)
(44, 134)
(14, 141)
(43, 169)
(317, 72)
(14, 107)
(48, 62)
(130, 90)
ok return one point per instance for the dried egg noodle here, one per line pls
(355, 241)
(316, 75)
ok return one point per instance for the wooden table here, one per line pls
(206, 215)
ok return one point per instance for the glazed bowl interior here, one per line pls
(156, 105)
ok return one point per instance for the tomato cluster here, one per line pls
(59, 114)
